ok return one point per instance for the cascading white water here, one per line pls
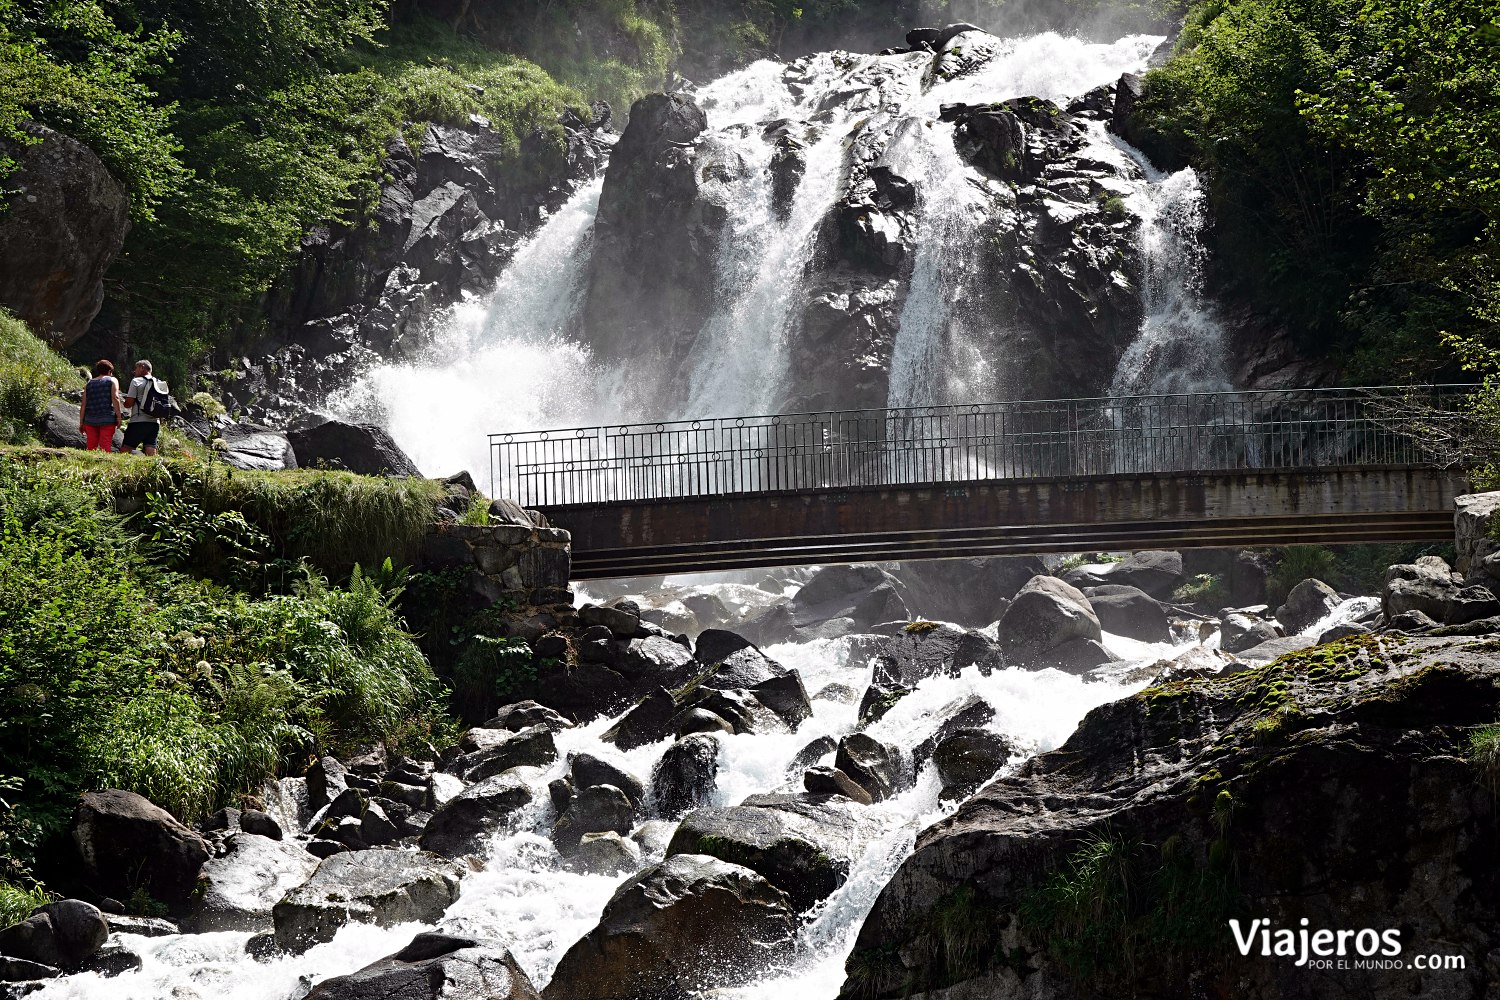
(509, 362)
(1180, 347)
(524, 898)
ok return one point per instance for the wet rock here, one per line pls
(525, 715)
(685, 925)
(878, 700)
(967, 758)
(21, 970)
(463, 824)
(435, 966)
(113, 960)
(621, 623)
(1307, 602)
(261, 824)
(811, 754)
(657, 662)
(734, 660)
(804, 844)
(968, 592)
(1129, 611)
(822, 780)
(838, 600)
(1077, 656)
(380, 887)
(126, 843)
(931, 649)
(121, 923)
(366, 449)
(326, 780)
(1046, 614)
(604, 854)
(588, 770)
(532, 747)
(786, 697)
(596, 809)
(700, 720)
(1241, 630)
(971, 712)
(64, 934)
(237, 889)
(63, 223)
(1343, 631)
(874, 766)
(741, 710)
(686, 775)
(649, 721)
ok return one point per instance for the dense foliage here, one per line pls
(121, 665)
(30, 374)
(1354, 176)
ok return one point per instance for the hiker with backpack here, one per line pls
(148, 402)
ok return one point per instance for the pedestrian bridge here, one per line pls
(1230, 469)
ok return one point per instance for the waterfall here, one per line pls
(514, 360)
(1180, 347)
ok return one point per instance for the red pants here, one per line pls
(100, 438)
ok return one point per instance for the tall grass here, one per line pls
(30, 374)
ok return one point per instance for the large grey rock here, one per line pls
(803, 844)
(62, 225)
(735, 661)
(588, 770)
(967, 758)
(1241, 630)
(604, 854)
(1273, 648)
(251, 446)
(1046, 614)
(1429, 586)
(497, 751)
(931, 650)
(381, 887)
(1477, 554)
(971, 592)
(237, 889)
(64, 934)
(1307, 602)
(1129, 611)
(126, 843)
(686, 925)
(838, 600)
(363, 448)
(435, 966)
(462, 824)
(686, 775)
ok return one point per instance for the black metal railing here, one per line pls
(1031, 439)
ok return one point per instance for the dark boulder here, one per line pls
(596, 809)
(649, 721)
(605, 853)
(526, 714)
(811, 754)
(685, 776)
(588, 770)
(435, 966)
(327, 779)
(1129, 611)
(967, 758)
(62, 225)
(875, 766)
(734, 661)
(969, 592)
(805, 844)
(1307, 602)
(363, 448)
(63, 935)
(686, 925)
(532, 747)
(1046, 614)
(1242, 630)
(786, 696)
(838, 600)
(822, 780)
(462, 825)
(126, 843)
(381, 887)
(932, 649)
(261, 824)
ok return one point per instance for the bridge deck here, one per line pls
(1218, 469)
(1010, 517)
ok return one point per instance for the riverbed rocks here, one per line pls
(127, 844)
(932, 649)
(804, 844)
(689, 924)
(1305, 604)
(1430, 586)
(435, 966)
(1129, 611)
(381, 887)
(462, 824)
(57, 936)
(237, 890)
(62, 224)
(1051, 623)
(1338, 789)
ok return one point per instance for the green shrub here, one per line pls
(1484, 753)
(1295, 564)
(17, 901)
(30, 374)
(1207, 589)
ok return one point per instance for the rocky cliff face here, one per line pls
(450, 214)
(974, 230)
(1330, 790)
(61, 227)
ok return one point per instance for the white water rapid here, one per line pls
(524, 898)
